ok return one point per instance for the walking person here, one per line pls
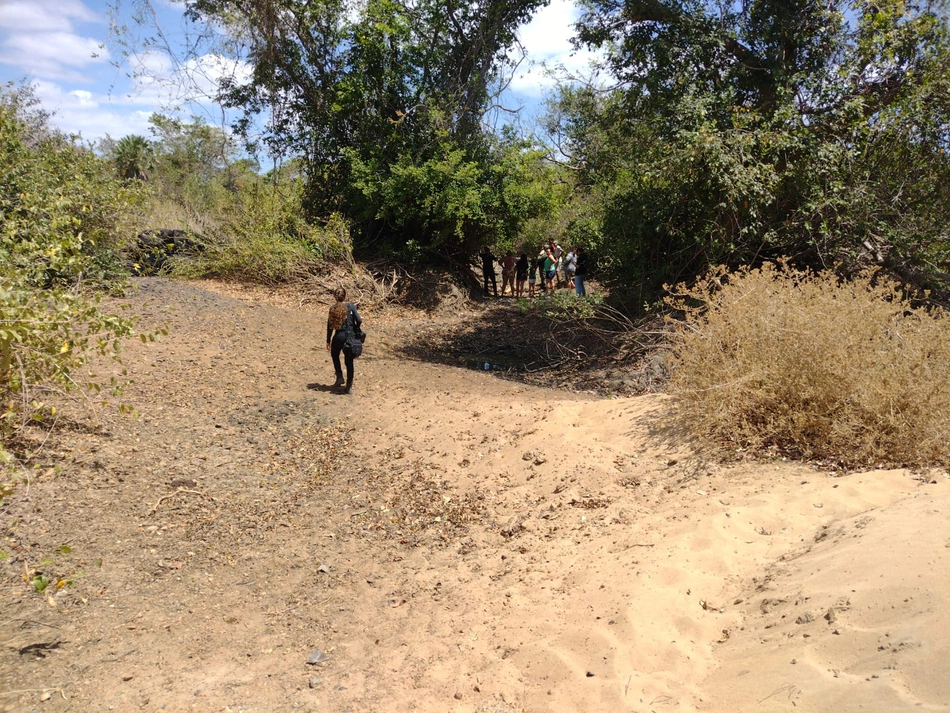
(488, 270)
(580, 272)
(343, 323)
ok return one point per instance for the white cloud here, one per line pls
(25, 16)
(38, 38)
(208, 71)
(157, 81)
(53, 55)
(85, 98)
(548, 35)
(547, 40)
(93, 116)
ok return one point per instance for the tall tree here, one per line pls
(815, 129)
(362, 89)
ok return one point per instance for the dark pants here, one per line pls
(336, 346)
(490, 275)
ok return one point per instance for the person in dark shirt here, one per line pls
(580, 272)
(488, 271)
(342, 322)
(521, 274)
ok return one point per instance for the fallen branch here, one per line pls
(171, 495)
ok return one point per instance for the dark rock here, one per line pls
(152, 248)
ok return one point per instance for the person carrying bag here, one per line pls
(344, 334)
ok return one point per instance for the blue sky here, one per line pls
(62, 47)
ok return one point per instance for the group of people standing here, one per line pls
(542, 273)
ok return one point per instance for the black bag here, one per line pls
(353, 346)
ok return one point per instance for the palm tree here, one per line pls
(133, 156)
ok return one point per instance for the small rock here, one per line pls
(540, 460)
(528, 455)
(458, 696)
(805, 618)
(513, 527)
(318, 657)
(323, 568)
(314, 682)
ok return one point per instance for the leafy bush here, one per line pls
(45, 336)
(264, 238)
(802, 364)
(60, 212)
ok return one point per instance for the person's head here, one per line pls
(524, 256)
(340, 294)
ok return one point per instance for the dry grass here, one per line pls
(778, 361)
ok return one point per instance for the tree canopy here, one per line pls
(738, 131)
(384, 100)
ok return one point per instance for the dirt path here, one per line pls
(443, 540)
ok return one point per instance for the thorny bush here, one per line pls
(805, 365)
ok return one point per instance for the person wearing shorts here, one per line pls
(532, 277)
(521, 274)
(550, 271)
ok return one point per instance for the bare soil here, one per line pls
(445, 538)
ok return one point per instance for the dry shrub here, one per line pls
(775, 360)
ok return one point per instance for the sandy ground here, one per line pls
(445, 540)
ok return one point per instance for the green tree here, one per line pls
(372, 96)
(743, 131)
(134, 157)
(61, 212)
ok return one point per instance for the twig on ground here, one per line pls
(179, 490)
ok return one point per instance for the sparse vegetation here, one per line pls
(805, 365)
(60, 214)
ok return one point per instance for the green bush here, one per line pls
(263, 237)
(61, 209)
(60, 212)
(804, 365)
